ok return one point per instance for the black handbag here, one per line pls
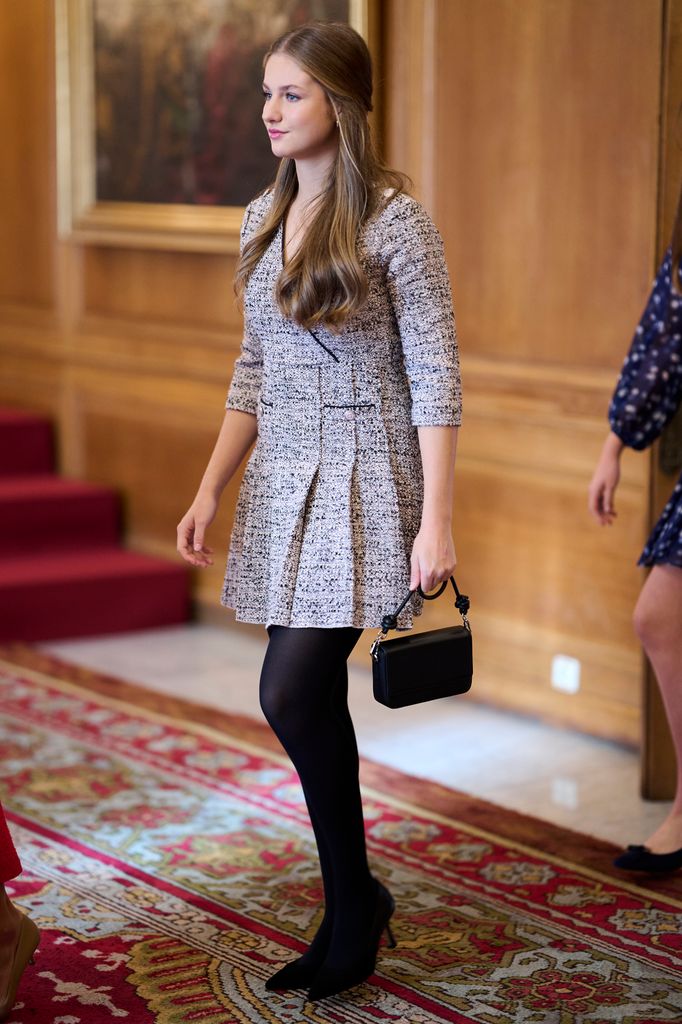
(423, 666)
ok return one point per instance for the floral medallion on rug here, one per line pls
(169, 863)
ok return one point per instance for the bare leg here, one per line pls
(658, 622)
(10, 926)
(19, 938)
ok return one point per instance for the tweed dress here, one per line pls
(331, 497)
(647, 396)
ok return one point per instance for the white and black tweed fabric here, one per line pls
(331, 498)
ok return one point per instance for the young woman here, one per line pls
(348, 380)
(19, 936)
(645, 400)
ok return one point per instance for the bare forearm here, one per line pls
(613, 444)
(604, 483)
(438, 447)
(237, 433)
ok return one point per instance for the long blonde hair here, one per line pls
(324, 283)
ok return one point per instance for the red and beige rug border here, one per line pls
(556, 843)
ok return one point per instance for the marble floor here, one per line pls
(555, 774)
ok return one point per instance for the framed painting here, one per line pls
(160, 142)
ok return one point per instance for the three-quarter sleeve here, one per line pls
(245, 386)
(649, 389)
(419, 288)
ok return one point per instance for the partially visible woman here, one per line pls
(646, 398)
(19, 936)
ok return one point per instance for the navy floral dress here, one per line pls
(647, 396)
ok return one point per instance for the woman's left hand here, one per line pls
(433, 556)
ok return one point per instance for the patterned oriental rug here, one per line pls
(170, 865)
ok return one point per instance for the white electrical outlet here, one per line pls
(565, 673)
(565, 792)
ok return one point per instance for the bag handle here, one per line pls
(462, 604)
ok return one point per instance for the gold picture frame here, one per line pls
(86, 217)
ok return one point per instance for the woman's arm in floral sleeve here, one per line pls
(650, 386)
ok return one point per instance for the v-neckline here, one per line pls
(282, 258)
(282, 240)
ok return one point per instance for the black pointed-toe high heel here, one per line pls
(329, 981)
(27, 943)
(297, 974)
(301, 973)
(640, 858)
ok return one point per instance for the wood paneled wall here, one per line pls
(538, 157)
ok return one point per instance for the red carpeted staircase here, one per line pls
(62, 571)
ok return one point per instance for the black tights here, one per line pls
(304, 696)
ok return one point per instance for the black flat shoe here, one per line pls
(640, 858)
(329, 981)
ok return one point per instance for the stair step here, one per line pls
(86, 592)
(41, 513)
(26, 444)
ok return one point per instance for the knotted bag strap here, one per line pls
(462, 604)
